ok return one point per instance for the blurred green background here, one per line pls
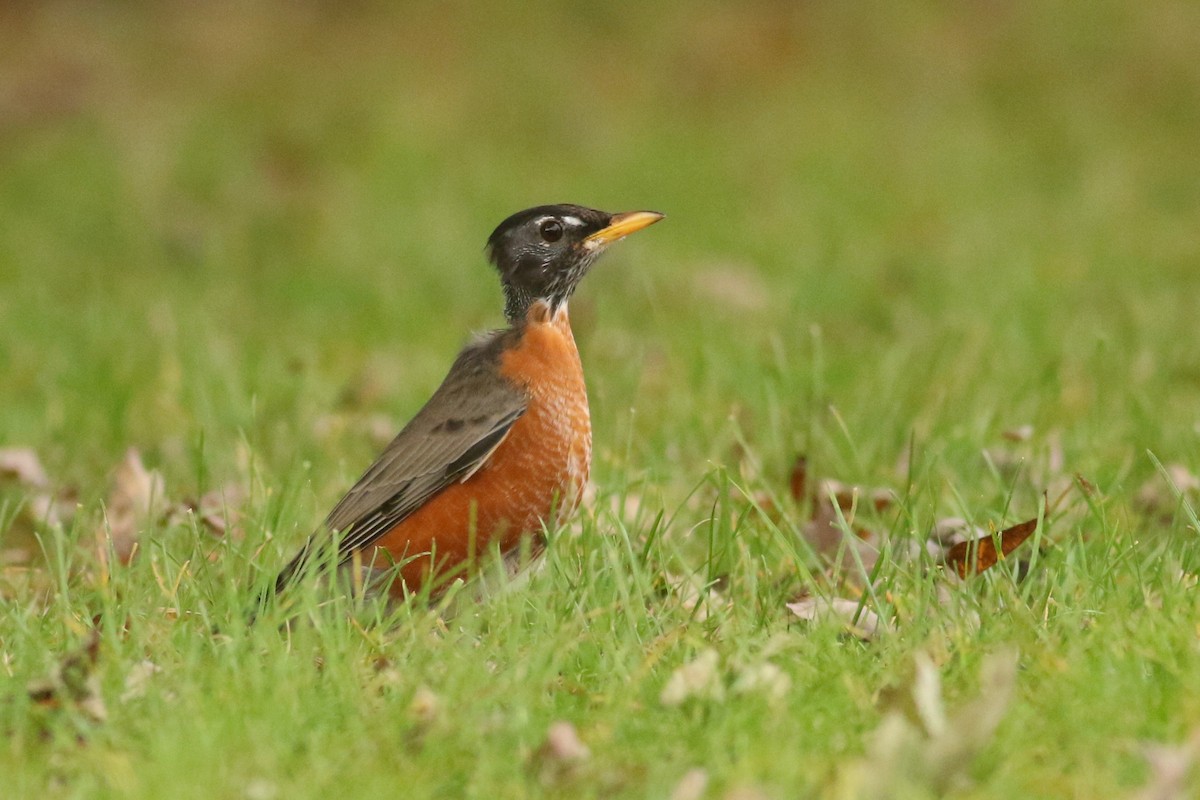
(247, 239)
(229, 224)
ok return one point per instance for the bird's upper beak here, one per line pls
(620, 226)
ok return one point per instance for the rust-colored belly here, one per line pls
(534, 478)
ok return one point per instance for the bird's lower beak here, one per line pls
(620, 226)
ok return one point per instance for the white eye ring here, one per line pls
(551, 229)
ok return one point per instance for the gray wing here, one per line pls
(461, 425)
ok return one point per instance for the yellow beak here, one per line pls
(620, 226)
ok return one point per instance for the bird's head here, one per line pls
(542, 253)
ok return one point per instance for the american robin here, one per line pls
(504, 445)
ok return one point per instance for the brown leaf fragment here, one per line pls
(934, 754)
(950, 531)
(1169, 769)
(424, 706)
(976, 555)
(562, 753)
(859, 620)
(137, 496)
(21, 464)
(216, 511)
(43, 505)
(1020, 434)
(699, 678)
(50, 508)
(73, 683)
(138, 678)
(798, 479)
(692, 785)
(11, 556)
(826, 534)
(1163, 493)
(823, 532)
(1087, 487)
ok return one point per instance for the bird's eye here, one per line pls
(551, 230)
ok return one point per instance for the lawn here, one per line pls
(951, 255)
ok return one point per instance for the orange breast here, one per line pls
(534, 477)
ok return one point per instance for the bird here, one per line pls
(502, 450)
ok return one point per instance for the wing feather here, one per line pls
(452, 436)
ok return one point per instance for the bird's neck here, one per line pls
(518, 302)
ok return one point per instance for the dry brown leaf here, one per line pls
(43, 505)
(217, 511)
(22, 465)
(764, 678)
(906, 759)
(950, 531)
(1169, 770)
(692, 785)
(73, 684)
(53, 509)
(695, 595)
(561, 754)
(424, 706)
(857, 618)
(699, 678)
(834, 507)
(137, 496)
(138, 678)
(15, 556)
(976, 555)
(1161, 494)
(1022, 433)
(798, 479)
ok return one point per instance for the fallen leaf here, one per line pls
(1164, 492)
(950, 531)
(903, 759)
(976, 555)
(696, 595)
(970, 728)
(43, 505)
(692, 785)
(1020, 434)
(21, 464)
(137, 496)
(53, 509)
(561, 754)
(699, 678)
(831, 528)
(425, 706)
(217, 511)
(260, 789)
(12, 556)
(798, 479)
(137, 678)
(765, 678)
(859, 620)
(73, 684)
(1169, 769)
(927, 695)
(827, 534)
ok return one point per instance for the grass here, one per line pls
(234, 238)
